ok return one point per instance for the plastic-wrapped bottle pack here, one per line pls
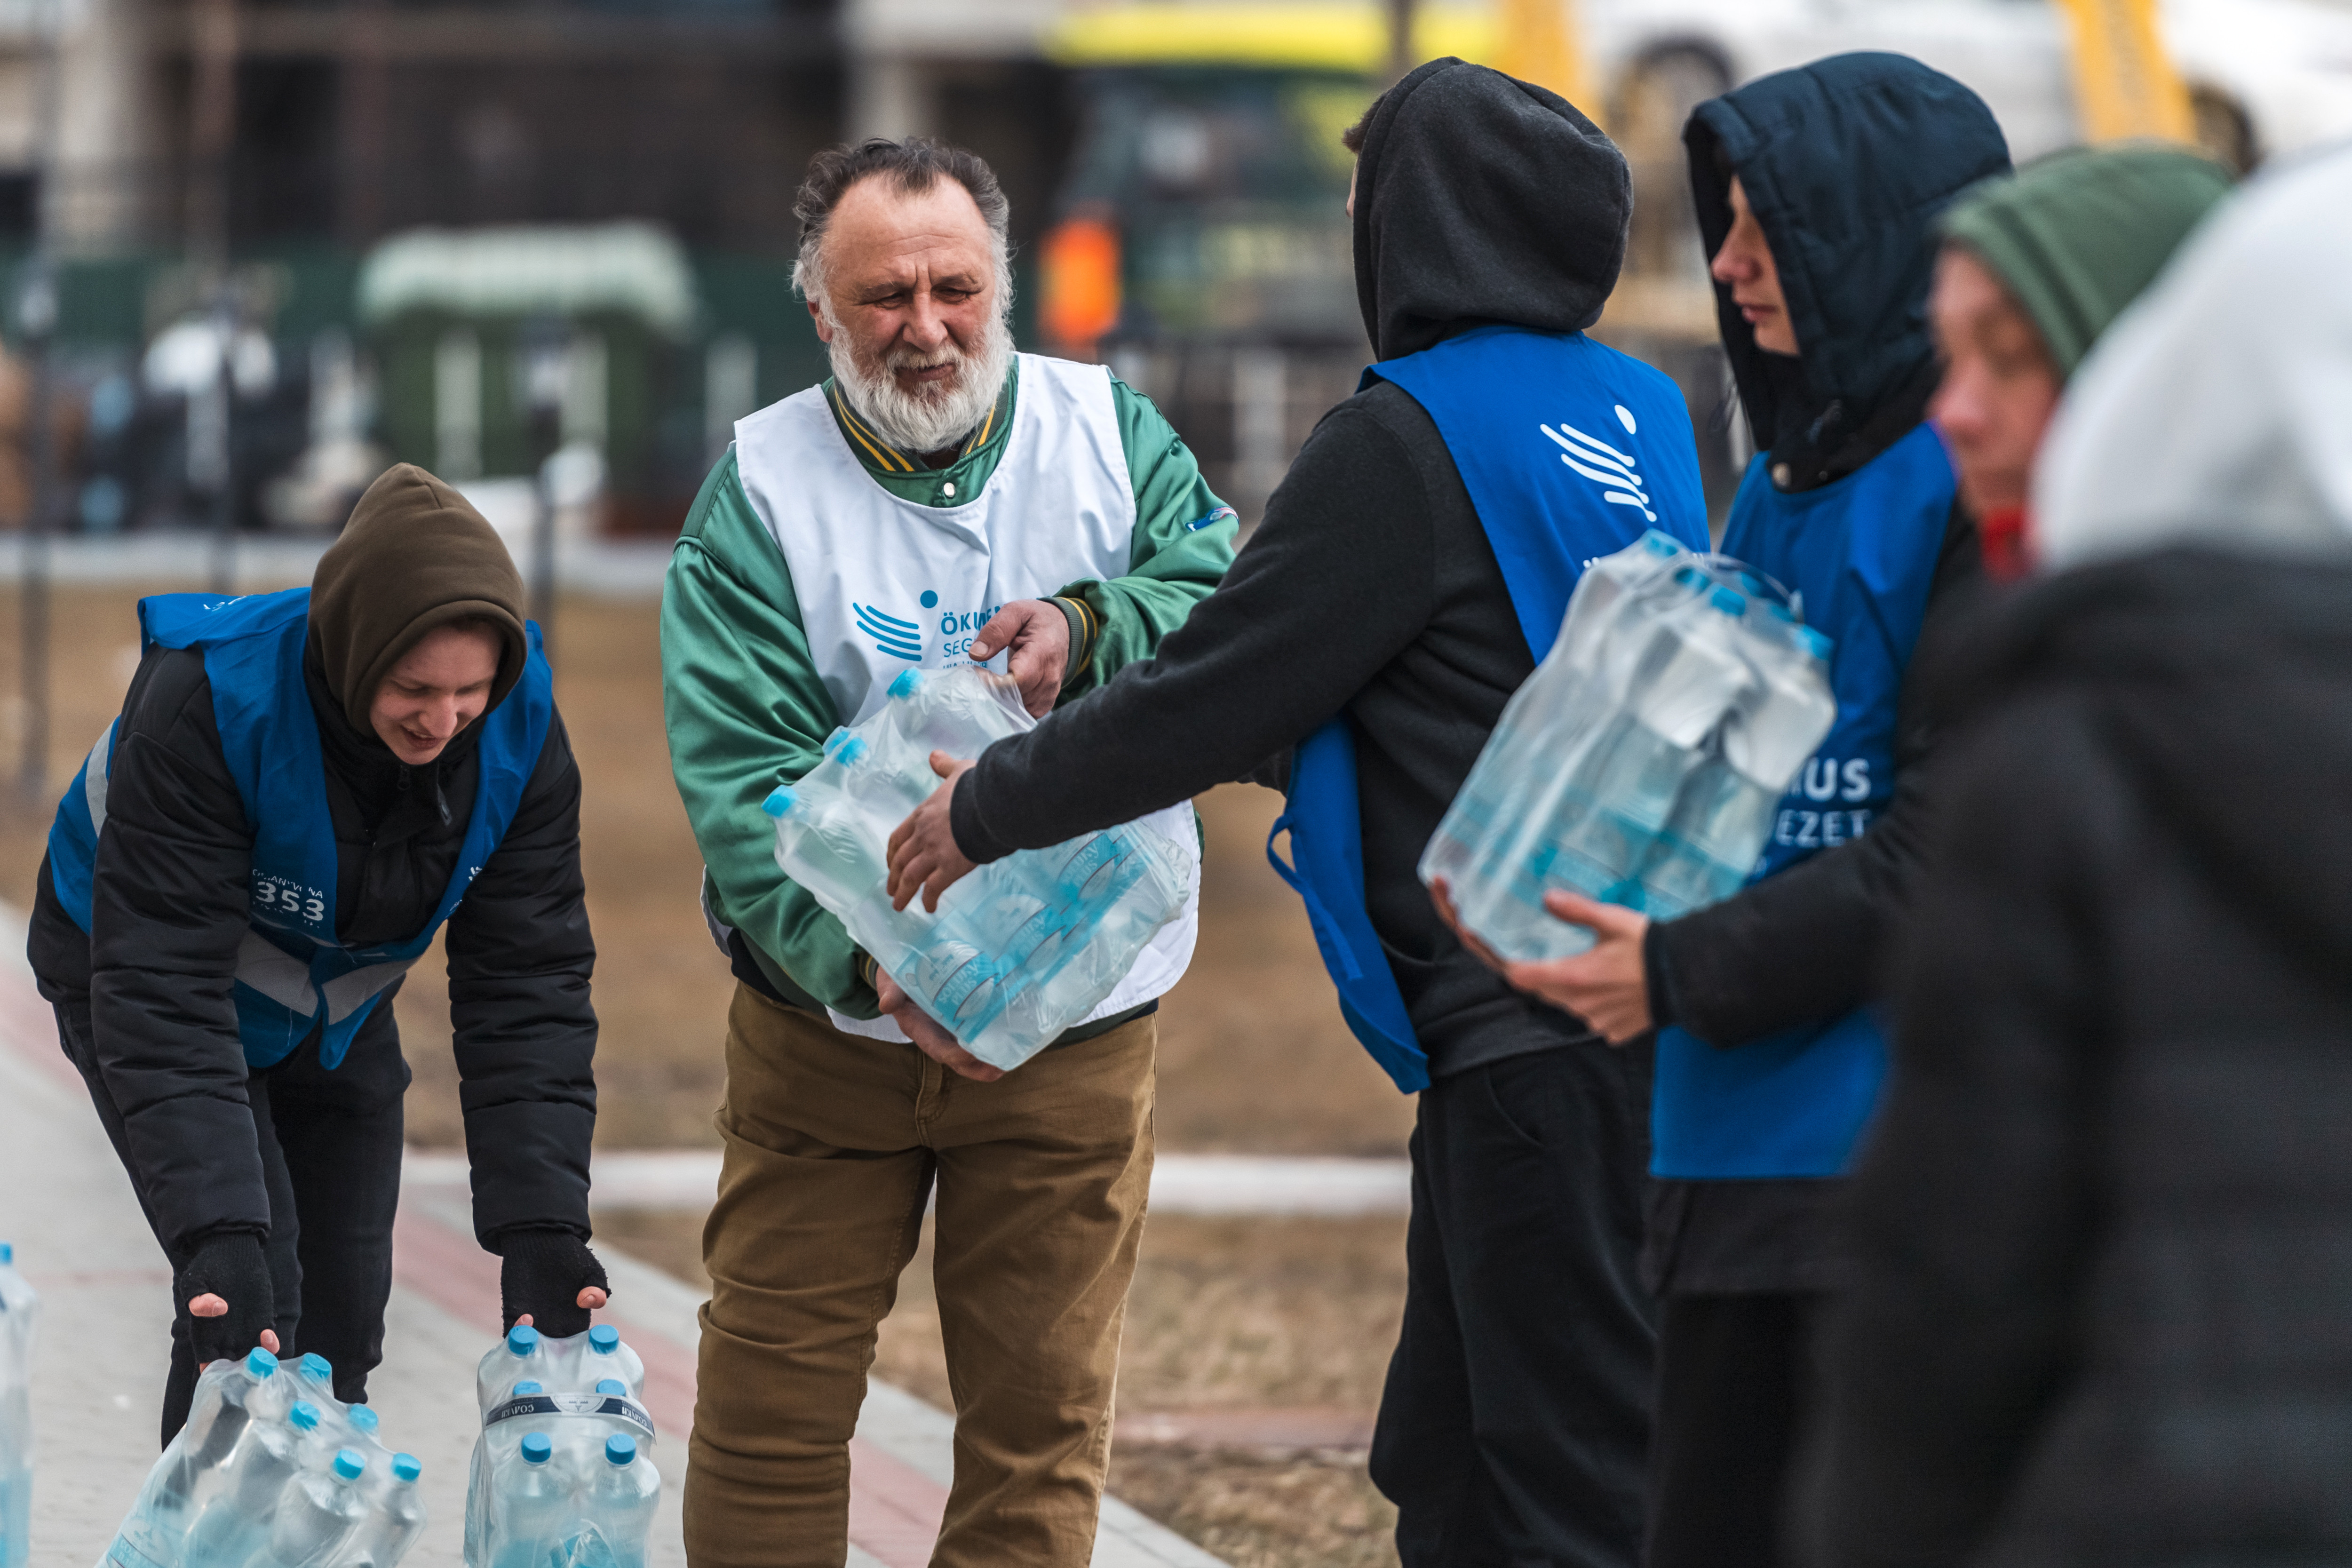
(273, 1472)
(19, 1308)
(1641, 763)
(1020, 950)
(562, 1475)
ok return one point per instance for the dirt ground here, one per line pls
(1227, 1314)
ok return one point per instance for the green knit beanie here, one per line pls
(2076, 236)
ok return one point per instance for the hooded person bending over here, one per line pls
(1409, 573)
(301, 789)
(2104, 1228)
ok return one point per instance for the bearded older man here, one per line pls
(915, 511)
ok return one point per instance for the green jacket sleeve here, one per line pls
(1183, 542)
(746, 711)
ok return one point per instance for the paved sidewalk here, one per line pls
(104, 1340)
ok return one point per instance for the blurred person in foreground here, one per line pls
(916, 510)
(1817, 191)
(301, 789)
(2033, 268)
(1410, 570)
(2103, 1229)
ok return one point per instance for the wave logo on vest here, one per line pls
(1603, 464)
(900, 639)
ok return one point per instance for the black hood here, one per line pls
(1483, 200)
(2222, 683)
(1846, 162)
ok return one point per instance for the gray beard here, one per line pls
(931, 420)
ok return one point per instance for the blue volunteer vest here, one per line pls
(1569, 450)
(1862, 551)
(290, 969)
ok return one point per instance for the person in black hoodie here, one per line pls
(1489, 225)
(297, 786)
(1818, 191)
(2102, 1231)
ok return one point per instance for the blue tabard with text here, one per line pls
(1569, 450)
(1861, 553)
(293, 975)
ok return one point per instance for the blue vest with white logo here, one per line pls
(1862, 551)
(292, 975)
(1569, 450)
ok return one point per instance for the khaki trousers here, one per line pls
(833, 1142)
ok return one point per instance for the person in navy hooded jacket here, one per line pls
(1818, 192)
(1410, 571)
(301, 789)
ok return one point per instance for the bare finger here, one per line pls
(590, 1298)
(207, 1306)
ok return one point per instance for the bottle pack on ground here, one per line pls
(563, 1476)
(19, 1308)
(1018, 951)
(273, 1472)
(1642, 761)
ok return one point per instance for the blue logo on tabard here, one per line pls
(900, 639)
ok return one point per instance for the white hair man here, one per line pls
(939, 501)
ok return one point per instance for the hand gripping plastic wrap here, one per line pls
(1020, 950)
(563, 1474)
(272, 1471)
(1642, 762)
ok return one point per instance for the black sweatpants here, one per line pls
(330, 1146)
(1515, 1420)
(1732, 1371)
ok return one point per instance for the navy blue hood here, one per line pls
(1847, 164)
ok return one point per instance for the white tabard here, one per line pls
(886, 585)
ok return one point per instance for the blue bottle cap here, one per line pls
(908, 682)
(1730, 603)
(363, 1418)
(404, 1468)
(851, 751)
(605, 1339)
(522, 1340)
(305, 1415)
(840, 733)
(779, 800)
(317, 1367)
(8, 1252)
(536, 1448)
(528, 1385)
(1816, 643)
(1659, 542)
(348, 1465)
(260, 1364)
(620, 1448)
(1780, 613)
(613, 1388)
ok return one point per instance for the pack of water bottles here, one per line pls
(19, 1308)
(563, 1474)
(1018, 951)
(1641, 765)
(273, 1472)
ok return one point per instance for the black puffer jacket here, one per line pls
(2104, 1228)
(170, 890)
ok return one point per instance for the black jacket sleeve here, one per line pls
(1973, 1205)
(525, 1034)
(1336, 580)
(168, 911)
(1809, 943)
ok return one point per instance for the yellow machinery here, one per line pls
(2124, 84)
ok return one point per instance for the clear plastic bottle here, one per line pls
(622, 1496)
(519, 1356)
(608, 1357)
(319, 1510)
(235, 1521)
(532, 1508)
(19, 1311)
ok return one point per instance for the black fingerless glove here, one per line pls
(543, 1274)
(230, 1265)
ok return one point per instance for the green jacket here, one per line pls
(745, 707)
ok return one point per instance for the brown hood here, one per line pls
(414, 556)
